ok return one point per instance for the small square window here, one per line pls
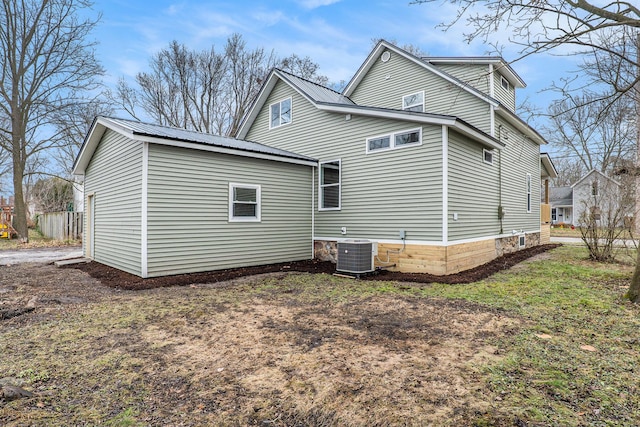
(488, 156)
(522, 241)
(244, 202)
(504, 83)
(413, 102)
(280, 113)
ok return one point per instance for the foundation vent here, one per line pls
(355, 256)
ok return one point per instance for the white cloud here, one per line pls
(313, 4)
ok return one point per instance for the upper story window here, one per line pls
(413, 102)
(244, 202)
(504, 83)
(487, 156)
(280, 113)
(407, 138)
(594, 188)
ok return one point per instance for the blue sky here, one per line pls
(336, 34)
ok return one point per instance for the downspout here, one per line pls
(313, 212)
(500, 207)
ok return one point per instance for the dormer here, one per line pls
(491, 75)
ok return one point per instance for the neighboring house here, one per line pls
(423, 156)
(561, 199)
(162, 201)
(593, 194)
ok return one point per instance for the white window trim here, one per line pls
(528, 188)
(406, 107)
(484, 154)
(503, 81)
(280, 107)
(258, 217)
(320, 186)
(392, 141)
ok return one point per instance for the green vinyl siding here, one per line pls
(382, 192)
(386, 83)
(506, 97)
(114, 177)
(474, 75)
(473, 190)
(188, 211)
(519, 157)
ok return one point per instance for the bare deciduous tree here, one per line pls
(594, 134)
(207, 91)
(606, 34)
(52, 194)
(46, 63)
(72, 125)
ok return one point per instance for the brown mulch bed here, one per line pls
(115, 278)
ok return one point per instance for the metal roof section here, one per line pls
(314, 91)
(499, 63)
(178, 137)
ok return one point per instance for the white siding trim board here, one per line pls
(445, 184)
(425, 242)
(143, 212)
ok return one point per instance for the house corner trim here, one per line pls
(143, 211)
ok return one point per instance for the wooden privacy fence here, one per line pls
(61, 225)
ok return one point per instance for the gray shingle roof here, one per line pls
(147, 129)
(561, 196)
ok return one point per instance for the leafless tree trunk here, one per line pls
(45, 65)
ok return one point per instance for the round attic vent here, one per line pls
(385, 56)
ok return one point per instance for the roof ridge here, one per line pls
(310, 81)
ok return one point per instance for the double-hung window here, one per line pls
(330, 183)
(413, 102)
(244, 203)
(280, 113)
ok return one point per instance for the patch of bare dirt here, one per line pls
(220, 352)
(112, 277)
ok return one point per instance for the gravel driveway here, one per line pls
(39, 255)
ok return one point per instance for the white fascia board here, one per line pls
(521, 125)
(257, 105)
(262, 98)
(94, 136)
(364, 68)
(224, 150)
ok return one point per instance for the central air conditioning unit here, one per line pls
(355, 256)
